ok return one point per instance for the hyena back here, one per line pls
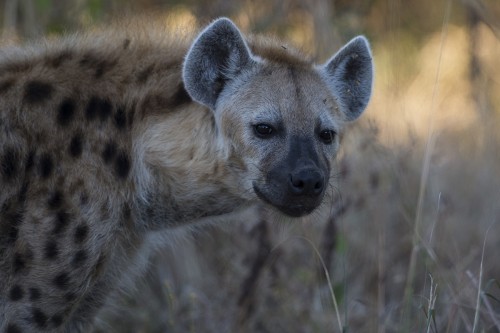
(105, 140)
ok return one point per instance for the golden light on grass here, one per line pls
(182, 20)
(399, 109)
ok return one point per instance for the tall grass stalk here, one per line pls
(431, 310)
(480, 284)
(327, 275)
(431, 141)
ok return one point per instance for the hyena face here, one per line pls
(279, 115)
(285, 121)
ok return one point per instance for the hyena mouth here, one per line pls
(293, 206)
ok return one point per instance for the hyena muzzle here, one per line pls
(107, 139)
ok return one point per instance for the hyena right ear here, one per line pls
(349, 75)
(218, 55)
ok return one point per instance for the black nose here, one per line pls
(307, 182)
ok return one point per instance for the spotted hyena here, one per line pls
(109, 137)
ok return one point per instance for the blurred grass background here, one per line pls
(411, 242)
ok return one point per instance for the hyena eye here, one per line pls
(327, 136)
(263, 130)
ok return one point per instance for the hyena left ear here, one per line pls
(218, 55)
(349, 75)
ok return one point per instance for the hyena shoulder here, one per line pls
(71, 116)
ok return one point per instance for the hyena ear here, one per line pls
(217, 56)
(349, 75)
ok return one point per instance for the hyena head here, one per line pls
(278, 114)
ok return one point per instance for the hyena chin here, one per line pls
(278, 114)
(110, 138)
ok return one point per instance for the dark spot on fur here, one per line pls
(126, 43)
(84, 198)
(179, 98)
(103, 67)
(126, 211)
(45, 166)
(105, 109)
(15, 67)
(14, 227)
(6, 206)
(6, 85)
(150, 212)
(122, 165)
(61, 280)
(39, 318)
(61, 222)
(12, 232)
(66, 112)
(9, 164)
(51, 250)
(98, 107)
(56, 320)
(19, 262)
(105, 213)
(91, 110)
(143, 75)
(97, 63)
(100, 70)
(55, 200)
(30, 161)
(89, 60)
(12, 328)
(23, 192)
(81, 233)
(120, 118)
(58, 59)
(16, 293)
(126, 219)
(34, 294)
(12, 217)
(109, 152)
(154, 103)
(37, 92)
(79, 258)
(75, 148)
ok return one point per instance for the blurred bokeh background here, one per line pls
(410, 243)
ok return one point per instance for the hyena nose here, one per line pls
(307, 182)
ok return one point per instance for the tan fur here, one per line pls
(274, 50)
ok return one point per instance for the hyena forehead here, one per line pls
(220, 62)
(287, 95)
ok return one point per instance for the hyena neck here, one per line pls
(191, 176)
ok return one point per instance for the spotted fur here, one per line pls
(108, 137)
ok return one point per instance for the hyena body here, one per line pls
(105, 140)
